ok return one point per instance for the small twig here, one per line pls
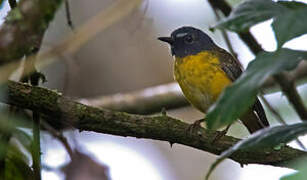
(225, 36)
(247, 37)
(278, 117)
(112, 14)
(68, 15)
(59, 136)
(36, 154)
(288, 87)
(273, 111)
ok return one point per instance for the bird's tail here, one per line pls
(251, 121)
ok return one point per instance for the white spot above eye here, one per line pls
(181, 35)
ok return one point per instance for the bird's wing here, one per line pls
(232, 67)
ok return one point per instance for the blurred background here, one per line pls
(127, 56)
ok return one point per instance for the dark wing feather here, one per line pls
(232, 67)
(260, 112)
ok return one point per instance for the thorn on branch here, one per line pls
(163, 111)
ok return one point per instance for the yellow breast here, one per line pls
(200, 78)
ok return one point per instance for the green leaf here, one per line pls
(265, 138)
(24, 138)
(302, 171)
(295, 176)
(290, 25)
(239, 97)
(17, 166)
(292, 4)
(250, 13)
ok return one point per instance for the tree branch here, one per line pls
(24, 26)
(63, 111)
(146, 101)
(288, 87)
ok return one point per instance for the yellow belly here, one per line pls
(201, 79)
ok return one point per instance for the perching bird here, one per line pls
(203, 70)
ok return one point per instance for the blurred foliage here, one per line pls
(287, 18)
(237, 98)
(14, 160)
(265, 138)
(288, 23)
(240, 96)
(17, 164)
(250, 13)
(300, 174)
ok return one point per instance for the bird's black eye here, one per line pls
(188, 39)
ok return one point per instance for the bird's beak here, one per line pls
(169, 40)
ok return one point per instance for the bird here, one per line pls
(203, 70)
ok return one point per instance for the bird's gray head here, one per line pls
(186, 41)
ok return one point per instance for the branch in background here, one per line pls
(225, 36)
(64, 111)
(278, 117)
(299, 75)
(111, 15)
(60, 137)
(288, 87)
(169, 96)
(247, 37)
(145, 101)
(24, 26)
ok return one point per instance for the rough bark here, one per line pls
(62, 110)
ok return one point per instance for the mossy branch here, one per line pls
(24, 27)
(63, 111)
